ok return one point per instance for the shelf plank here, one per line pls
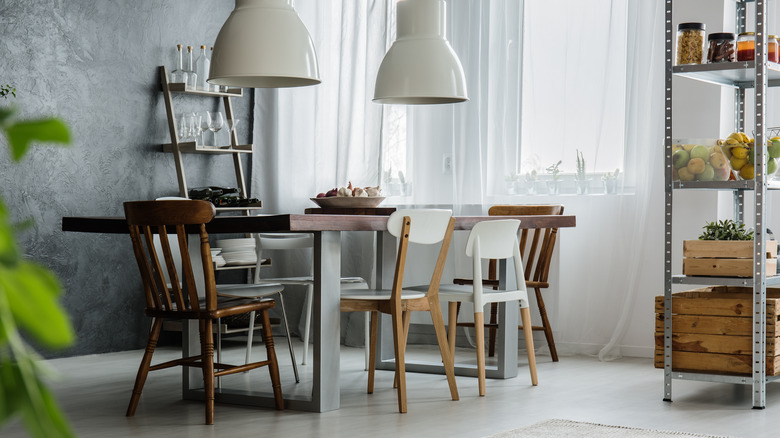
(722, 185)
(265, 263)
(734, 74)
(178, 87)
(191, 148)
(255, 206)
(722, 281)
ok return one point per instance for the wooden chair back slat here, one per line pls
(175, 288)
(536, 245)
(147, 218)
(438, 271)
(159, 288)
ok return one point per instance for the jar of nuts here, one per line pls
(690, 43)
(720, 47)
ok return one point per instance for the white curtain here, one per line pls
(311, 139)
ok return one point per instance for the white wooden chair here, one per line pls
(422, 226)
(491, 240)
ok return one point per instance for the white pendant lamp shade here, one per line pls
(264, 44)
(420, 67)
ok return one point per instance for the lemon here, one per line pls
(739, 152)
(747, 171)
(737, 163)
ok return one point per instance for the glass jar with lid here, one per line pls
(720, 47)
(771, 42)
(690, 43)
(746, 46)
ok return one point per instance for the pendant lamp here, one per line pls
(264, 44)
(420, 67)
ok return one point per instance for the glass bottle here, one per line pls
(213, 87)
(193, 76)
(202, 70)
(179, 75)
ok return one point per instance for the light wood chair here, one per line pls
(490, 240)
(181, 300)
(421, 226)
(536, 249)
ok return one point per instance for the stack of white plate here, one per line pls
(238, 251)
(217, 258)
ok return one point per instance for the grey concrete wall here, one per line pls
(94, 64)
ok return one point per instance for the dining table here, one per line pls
(327, 230)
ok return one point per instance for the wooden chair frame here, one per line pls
(400, 308)
(180, 300)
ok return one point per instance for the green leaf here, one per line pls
(32, 293)
(9, 251)
(22, 134)
(6, 114)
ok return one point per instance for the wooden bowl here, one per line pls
(349, 201)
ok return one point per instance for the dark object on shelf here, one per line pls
(721, 47)
(222, 196)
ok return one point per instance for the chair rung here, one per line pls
(471, 324)
(241, 368)
(185, 361)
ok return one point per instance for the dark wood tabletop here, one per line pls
(303, 222)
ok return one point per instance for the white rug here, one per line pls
(575, 429)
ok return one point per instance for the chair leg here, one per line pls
(452, 326)
(548, 334)
(289, 338)
(143, 369)
(307, 323)
(219, 348)
(207, 361)
(372, 350)
(273, 365)
(528, 332)
(407, 318)
(400, 367)
(249, 336)
(367, 337)
(479, 333)
(492, 330)
(441, 337)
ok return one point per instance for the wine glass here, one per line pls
(216, 124)
(203, 125)
(231, 128)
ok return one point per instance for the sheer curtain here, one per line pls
(309, 140)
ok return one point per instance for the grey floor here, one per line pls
(94, 391)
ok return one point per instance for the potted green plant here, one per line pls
(580, 177)
(29, 301)
(725, 248)
(530, 181)
(610, 181)
(553, 185)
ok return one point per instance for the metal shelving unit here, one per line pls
(758, 75)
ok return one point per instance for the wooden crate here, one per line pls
(725, 258)
(712, 330)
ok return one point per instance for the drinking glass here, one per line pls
(193, 122)
(203, 125)
(216, 124)
(231, 128)
(184, 129)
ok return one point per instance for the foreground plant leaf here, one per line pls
(21, 134)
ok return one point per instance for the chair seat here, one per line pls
(378, 294)
(454, 292)
(248, 290)
(307, 280)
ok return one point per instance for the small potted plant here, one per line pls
(725, 248)
(610, 181)
(555, 171)
(530, 181)
(580, 177)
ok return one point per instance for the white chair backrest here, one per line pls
(494, 240)
(428, 225)
(497, 239)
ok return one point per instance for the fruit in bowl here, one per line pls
(350, 191)
(741, 152)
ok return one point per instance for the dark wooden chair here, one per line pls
(146, 218)
(536, 247)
